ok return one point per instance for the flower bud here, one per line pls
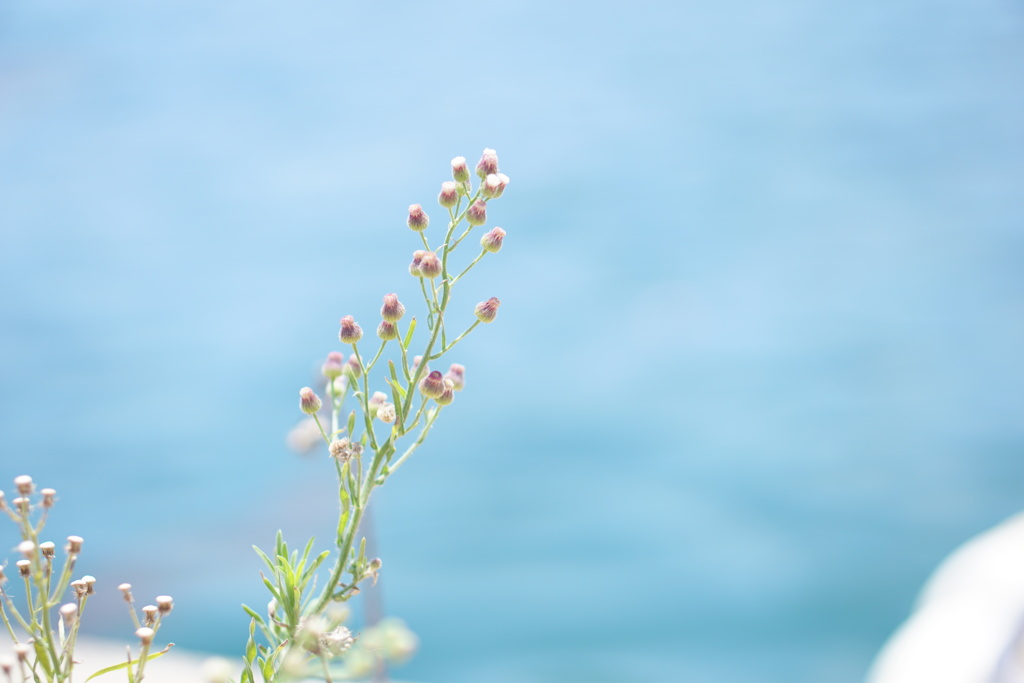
(457, 374)
(350, 331)
(432, 385)
(24, 567)
(416, 360)
(333, 366)
(126, 591)
(449, 196)
(386, 413)
(47, 549)
(430, 265)
(309, 402)
(49, 495)
(418, 219)
(392, 310)
(378, 399)
(460, 171)
(150, 611)
(488, 163)
(476, 214)
(74, 545)
(353, 368)
(89, 582)
(24, 484)
(502, 184)
(69, 611)
(164, 603)
(387, 331)
(448, 395)
(145, 634)
(492, 186)
(417, 259)
(492, 240)
(486, 311)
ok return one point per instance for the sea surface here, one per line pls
(756, 370)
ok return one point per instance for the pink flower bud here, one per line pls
(387, 331)
(353, 368)
(418, 219)
(333, 366)
(488, 163)
(477, 213)
(459, 169)
(309, 402)
(430, 265)
(492, 240)
(417, 259)
(432, 386)
(457, 374)
(448, 395)
(486, 311)
(378, 399)
(350, 332)
(494, 185)
(449, 196)
(392, 310)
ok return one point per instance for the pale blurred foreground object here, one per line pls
(968, 626)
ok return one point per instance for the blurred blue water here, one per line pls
(757, 367)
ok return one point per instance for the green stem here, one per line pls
(446, 349)
(470, 266)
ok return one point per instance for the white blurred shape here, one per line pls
(968, 626)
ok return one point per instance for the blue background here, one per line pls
(757, 368)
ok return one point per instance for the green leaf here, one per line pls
(408, 335)
(266, 560)
(252, 613)
(395, 384)
(351, 422)
(42, 656)
(123, 665)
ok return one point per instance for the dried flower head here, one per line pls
(24, 567)
(49, 496)
(24, 485)
(386, 413)
(165, 603)
(476, 214)
(126, 591)
(418, 219)
(89, 582)
(350, 332)
(28, 549)
(487, 311)
(145, 634)
(47, 549)
(492, 240)
(150, 612)
(309, 402)
(68, 611)
(74, 546)
(343, 449)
